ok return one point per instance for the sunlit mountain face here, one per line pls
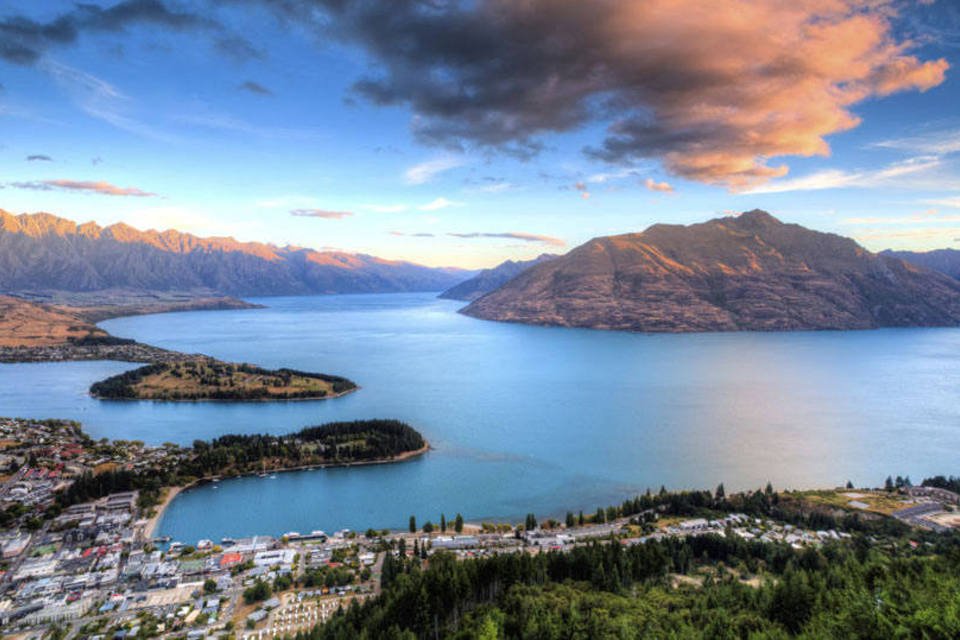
(469, 133)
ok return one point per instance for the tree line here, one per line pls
(841, 590)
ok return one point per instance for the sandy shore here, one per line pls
(171, 493)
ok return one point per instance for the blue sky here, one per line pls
(249, 123)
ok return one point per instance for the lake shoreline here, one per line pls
(224, 400)
(173, 491)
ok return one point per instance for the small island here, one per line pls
(209, 379)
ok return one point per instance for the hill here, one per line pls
(746, 272)
(207, 379)
(44, 252)
(490, 279)
(943, 260)
(26, 324)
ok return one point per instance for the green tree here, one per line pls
(721, 493)
(443, 523)
(413, 524)
(428, 527)
(258, 592)
(458, 524)
(571, 520)
(530, 523)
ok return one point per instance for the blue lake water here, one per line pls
(527, 418)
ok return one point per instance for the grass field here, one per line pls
(879, 502)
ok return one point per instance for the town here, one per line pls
(93, 568)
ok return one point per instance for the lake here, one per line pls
(527, 418)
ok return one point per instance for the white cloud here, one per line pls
(837, 179)
(952, 202)
(609, 176)
(940, 143)
(426, 171)
(100, 99)
(439, 203)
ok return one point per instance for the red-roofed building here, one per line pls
(230, 559)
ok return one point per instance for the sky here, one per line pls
(463, 133)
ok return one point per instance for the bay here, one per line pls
(527, 418)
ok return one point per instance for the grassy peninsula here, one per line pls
(208, 379)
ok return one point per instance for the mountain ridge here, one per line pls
(492, 278)
(746, 272)
(44, 251)
(943, 260)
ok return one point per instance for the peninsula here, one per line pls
(129, 465)
(208, 379)
(54, 327)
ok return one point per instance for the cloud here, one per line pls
(426, 171)
(412, 235)
(99, 187)
(922, 238)
(321, 213)
(716, 95)
(931, 216)
(838, 179)
(255, 88)
(23, 40)
(240, 49)
(610, 176)
(100, 99)
(582, 188)
(939, 143)
(39, 157)
(513, 235)
(653, 185)
(439, 203)
(953, 202)
(231, 124)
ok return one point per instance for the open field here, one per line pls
(880, 502)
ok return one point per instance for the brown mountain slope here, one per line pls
(750, 272)
(25, 324)
(44, 252)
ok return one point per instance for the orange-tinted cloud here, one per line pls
(767, 79)
(715, 89)
(653, 185)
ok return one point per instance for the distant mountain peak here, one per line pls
(749, 272)
(756, 217)
(489, 279)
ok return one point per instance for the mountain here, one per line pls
(748, 272)
(43, 251)
(490, 279)
(943, 260)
